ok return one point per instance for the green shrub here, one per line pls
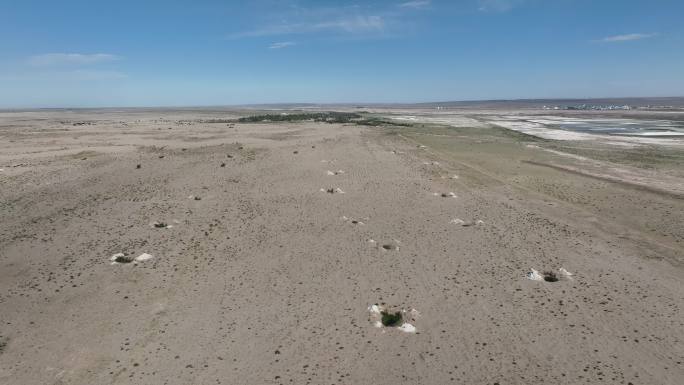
(390, 319)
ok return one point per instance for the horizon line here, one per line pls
(359, 104)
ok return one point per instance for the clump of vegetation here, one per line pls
(160, 225)
(328, 117)
(377, 122)
(216, 121)
(391, 319)
(124, 259)
(550, 276)
(3, 343)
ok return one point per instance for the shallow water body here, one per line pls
(632, 127)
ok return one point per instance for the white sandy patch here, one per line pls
(407, 328)
(407, 117)
(450, 120)
(143, 257)
(330, 190)
(352, 221)
(461, 222)
(534, 275)
(565, 154)
(565, 273)
(115, 256)
(541, 131)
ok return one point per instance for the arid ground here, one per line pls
(259, 275)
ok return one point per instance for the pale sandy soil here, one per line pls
(263, 281)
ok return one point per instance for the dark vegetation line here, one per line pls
(330, 117)
(327, 117)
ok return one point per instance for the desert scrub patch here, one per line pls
(161, 225)
(328, 117)
(3, 343)
(550, 276)
(382, 317)
(391, 319)
(123, 258)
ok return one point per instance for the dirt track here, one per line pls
(262, 281)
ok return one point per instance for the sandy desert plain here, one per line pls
(272, 246)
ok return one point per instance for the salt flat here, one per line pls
(618, 130)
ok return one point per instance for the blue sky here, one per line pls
(92, 53)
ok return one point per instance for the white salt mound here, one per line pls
(143, 257)
(534, 275)
(565, 273)
(407, 328)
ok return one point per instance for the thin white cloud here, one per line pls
(628, 37)
(416, 4)
(57, 75)
(70, 59)
(498, 5)
(354, 25)
(282, 44)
